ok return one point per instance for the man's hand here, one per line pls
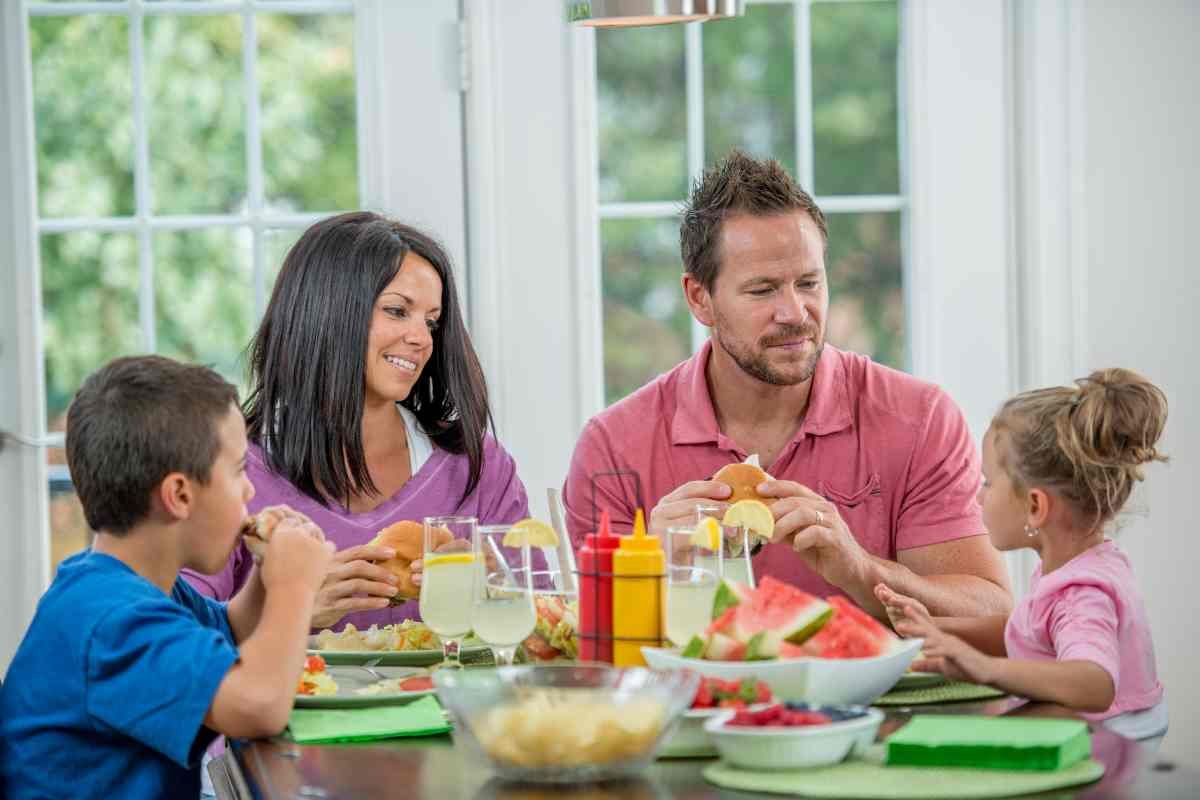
(678, 509)
(941, 652)
(817, 533)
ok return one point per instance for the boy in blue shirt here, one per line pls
(126, 673)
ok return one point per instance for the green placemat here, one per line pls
(952, 692)
(422, 717)
(869, 779)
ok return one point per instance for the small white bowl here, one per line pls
(798, 747)
(825, 681)
(690, 740)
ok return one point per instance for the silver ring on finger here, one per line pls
(820, 518)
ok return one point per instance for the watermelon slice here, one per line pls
(767, 617)
(730, 594)
(852, 633)
(724, 648)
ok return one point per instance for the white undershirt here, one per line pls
(420, 446)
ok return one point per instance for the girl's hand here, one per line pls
(894, 604)
(942, 652)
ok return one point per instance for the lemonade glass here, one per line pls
(502, 610)
(447, 582)
(734, 563)
(693, 572)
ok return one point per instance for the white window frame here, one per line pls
(391, 39)
(804, 146)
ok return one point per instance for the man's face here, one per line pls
(770, 298)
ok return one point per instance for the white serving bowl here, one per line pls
(797, 747)
(828, 681)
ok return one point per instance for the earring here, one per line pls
(1030, 531)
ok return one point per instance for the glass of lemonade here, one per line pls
(447, 582)
(734, 563)
(690, 595)
(693, 572)
(502, 611)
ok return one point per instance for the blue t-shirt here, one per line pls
(107, 694)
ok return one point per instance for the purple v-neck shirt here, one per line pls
(436, 490)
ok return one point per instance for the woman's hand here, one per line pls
(353, 583)
(453, 546)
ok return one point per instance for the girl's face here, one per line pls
(400, 342)
(1004, 511)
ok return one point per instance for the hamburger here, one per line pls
(742, 479)
(408, 540)
(257, 528)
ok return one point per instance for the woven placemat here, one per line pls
(952, 692)
(868, 779)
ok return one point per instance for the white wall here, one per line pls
(1141, 178)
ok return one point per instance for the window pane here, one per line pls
(866, 303)
(310, 150)
(854, 84)
(83, 113)
(90, 307)
(750, 86)
(647, 325)
(642, 114)
(204, 297)
(279, 242)
(69, 531)
(196, 112)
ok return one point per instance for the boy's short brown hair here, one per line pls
(133, 422)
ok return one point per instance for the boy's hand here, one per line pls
(297, 553)
(894, 604)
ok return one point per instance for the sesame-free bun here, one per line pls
(742, 478)
(408, 540)
(257, 529)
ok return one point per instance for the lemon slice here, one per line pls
(532, 532)
(448, 558)
(753, 515)
(707, 534)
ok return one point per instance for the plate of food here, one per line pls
(918, 680)
(404, 644)
(346, 686)
(714, 696)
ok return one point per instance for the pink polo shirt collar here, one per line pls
(695, 419)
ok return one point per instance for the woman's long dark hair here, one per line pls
(308, 359)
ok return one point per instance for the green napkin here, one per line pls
(422, 717)
(1020, 743)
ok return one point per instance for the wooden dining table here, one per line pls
(437, 769)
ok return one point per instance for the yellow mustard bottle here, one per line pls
(639, 569)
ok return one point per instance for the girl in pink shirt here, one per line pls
(1058, 465)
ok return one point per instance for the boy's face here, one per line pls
(220, 506)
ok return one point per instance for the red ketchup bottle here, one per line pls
(595, 593)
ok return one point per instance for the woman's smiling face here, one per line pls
(401, 339)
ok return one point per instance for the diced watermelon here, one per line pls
(730, 594)
(852, 633)
(695, 647)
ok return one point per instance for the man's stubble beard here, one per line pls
(754, 362)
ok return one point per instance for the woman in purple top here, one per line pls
(368, 406)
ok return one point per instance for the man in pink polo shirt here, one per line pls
(875, 470)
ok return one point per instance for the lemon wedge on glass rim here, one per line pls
(435, 559)
(707, 534)
(753, 515)
(533, 532)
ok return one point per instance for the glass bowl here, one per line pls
(564, 724)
